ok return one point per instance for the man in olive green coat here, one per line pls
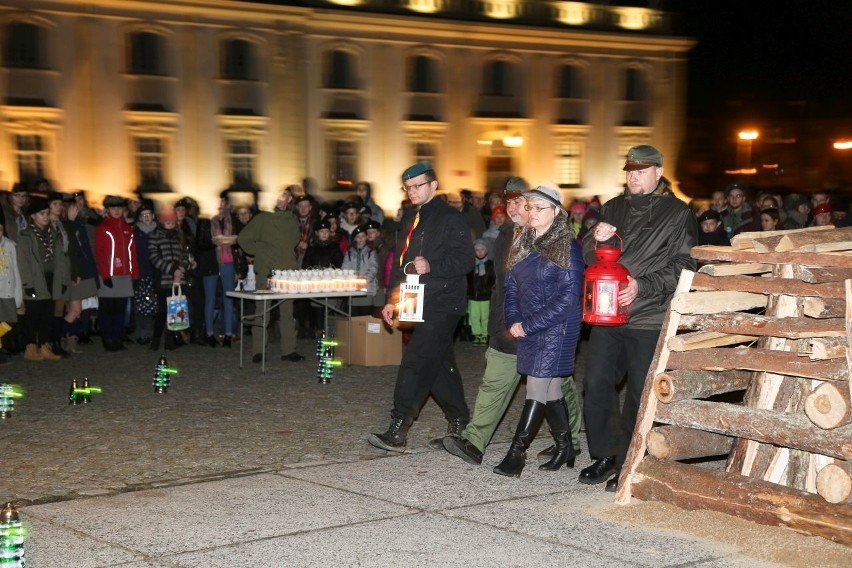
(271, 238)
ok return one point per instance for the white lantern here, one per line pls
(411, 297)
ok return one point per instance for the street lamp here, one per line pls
(745, 138)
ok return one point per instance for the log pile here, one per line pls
(753, 365)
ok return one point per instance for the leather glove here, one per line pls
(30, 292)
(108, 282)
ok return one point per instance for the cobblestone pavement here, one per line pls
(216, 419)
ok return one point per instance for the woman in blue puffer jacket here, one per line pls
(542, 310)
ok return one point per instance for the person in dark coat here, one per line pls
(542, 311)
(480, 284)
(712, 229)
(438, 248)
(658, 231)
(170, 258)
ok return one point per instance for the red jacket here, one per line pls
(115, 249)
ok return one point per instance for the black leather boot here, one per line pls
(548, 452)
(394, 438)
(560, 429)
(454, 429)
(516, 458)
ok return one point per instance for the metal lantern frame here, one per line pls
(411, 294)
(602, 282)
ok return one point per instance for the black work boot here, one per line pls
(454, 428)
(515, 460)
(560, 429)
(394, 438)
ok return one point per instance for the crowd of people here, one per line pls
(503, 270)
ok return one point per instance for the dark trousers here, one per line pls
(160, 316)
(612, 352)
(38, 322)
(111, 317)
(429, 367)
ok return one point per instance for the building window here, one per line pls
(339, 70)
(241, 161)
(24, 46)
(30, 156)
(497, 79)
(146, 54)
(634, 85)
(422, 75)
(424, 152)
(343, 167)
(150, 162)
(568, 166)
(568, 83)
(237, 62)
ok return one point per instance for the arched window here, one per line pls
(422, 75)
(497, 79)
(634, 85)
(568, 83)
(237, 60)
(146, 54)
(339, 70)
(25, 46)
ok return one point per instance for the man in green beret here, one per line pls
(437, 246)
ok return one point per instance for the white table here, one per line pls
(271, 299)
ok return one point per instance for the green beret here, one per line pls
(417, 169)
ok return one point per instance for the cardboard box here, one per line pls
(373, 343)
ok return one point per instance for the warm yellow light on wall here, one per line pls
(573, 13)
(501, 9)
(514, 141)
(748, 134)
(484, 142)
(631, 18)
(843, 145)
(347, 2)
(424, 6)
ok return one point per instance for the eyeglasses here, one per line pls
(413, 187)
(536, 208)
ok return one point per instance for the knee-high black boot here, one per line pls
(560, 429)
(515, 460)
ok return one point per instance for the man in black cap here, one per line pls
(657, 231)
(741, 217)
(438, 248)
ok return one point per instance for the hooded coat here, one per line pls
(658, 232)
(543, 292)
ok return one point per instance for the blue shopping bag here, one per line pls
(177, 310)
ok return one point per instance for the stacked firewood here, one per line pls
(754, 365)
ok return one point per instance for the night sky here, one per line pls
(769, 56)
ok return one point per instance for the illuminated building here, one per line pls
(193, 96)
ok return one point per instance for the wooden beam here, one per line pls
(768, 285)
(790, 327)
(672, 386)
(827, 348)
(674, 443)
(714, 302)
(820, 241)
(704, 339)
(823, 307)
(734, 269)
(834, 483)
(777, 428)
(726, 254)
(829, 406)
(755, 359)
(755, 238)
(819, 275)
(692, 487)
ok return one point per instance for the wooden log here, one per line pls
(829, 406)
(674, 443)
(648, 402)
(733, 269)
(819, 275)
(714, 302)
(709, 253)
(769, 285)
(848, 316)
(827, 348)
(704, 339)
(791, 327)
(695, 488)
(672, 386)
(823, 307)
(777, 428)
(819, 241)
(834, 483)
(755, 359)
(755, 238)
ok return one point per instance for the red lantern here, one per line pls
(603, 281)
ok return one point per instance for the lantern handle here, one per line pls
(406, 266)
(620, 240)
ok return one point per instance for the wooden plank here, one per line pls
(820, 241)
(734, 269)
(819, 275)
(694, 488)
(672, 386)
(823, 307)
(756, 359)
(714, 302)
(709, 253)
(790, 327)
(827, 348)
(768, 285)
(747, 240)
(674, 443)
(849, 332)
(705, 339)
(648, 402)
